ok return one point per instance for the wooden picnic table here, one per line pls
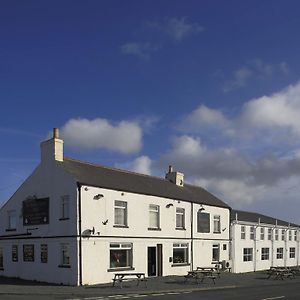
(120, 277)
(280, 273)
(201, 275)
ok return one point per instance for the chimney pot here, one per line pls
(170, 169)
(55, 133)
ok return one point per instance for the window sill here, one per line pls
(64, 266)
(121, 226)
(180, 265)
(180, 228)
(154, 229)
(120, 269)
(10, 229)
(63, 219)
(217, 232)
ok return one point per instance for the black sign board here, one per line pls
(14, 253)
(28, 252)
(44, 253)
(36, 211)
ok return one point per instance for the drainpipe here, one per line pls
(192, 238)
(297, 240)
(79, 228)
(285, 246)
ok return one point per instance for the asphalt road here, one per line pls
(288, 291)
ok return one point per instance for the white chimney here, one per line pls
(175, 177)
(53, 149)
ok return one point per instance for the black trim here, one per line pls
(10, 229)
(80, 238)
(64, 266)
(63, 219)
(120, 269)
(180, 265)
(154, 229)
(180, 228)
(120, 226)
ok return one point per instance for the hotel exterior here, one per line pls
(77, 223)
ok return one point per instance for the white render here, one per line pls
(89, 229)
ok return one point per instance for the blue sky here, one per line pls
(211, 87)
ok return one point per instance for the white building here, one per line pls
(78, 223)
(260, 242)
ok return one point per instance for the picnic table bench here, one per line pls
(280, 273)
(120, 277)
(201, 275)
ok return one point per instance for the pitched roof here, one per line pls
(254, 217)
(115, 179)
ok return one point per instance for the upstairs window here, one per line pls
(203, 224)
(252, 235)
(282, 234)
(120, 213)
(276, 234)
(262, 233)
(269, 234)
(295, 235)
(217, 224)
(243, 232)
(290, 235)
(12, 220)
(180, 218)
(120, 255)
(65, 207)
(153, 216)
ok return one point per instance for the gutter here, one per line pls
(79, 229)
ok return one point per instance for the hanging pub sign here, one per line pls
(36, 211)
(28, 252)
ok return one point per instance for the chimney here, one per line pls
(53, 149)
(175, 177)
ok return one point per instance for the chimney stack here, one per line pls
(175, 177)
(52, 149)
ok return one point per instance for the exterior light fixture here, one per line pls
(169, 205)
(98, 196)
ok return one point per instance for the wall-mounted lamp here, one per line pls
(201, 208)
(86, 189)
(98, 196)
(169, 205)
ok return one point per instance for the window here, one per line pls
(265, 253)
(276, 234)
(65, 207)
(203, 224)
(248, 254)
(14, 253)
(290, 235)
(153, 216)
(180, 253)
(217, 224)
(65, 255)
(243, 232)
(251, 232)
(44, 253)
(120, 213)
(279, 253)
(292, 252)
(269, 234)
(120, 255)
(12, 219)
(282, 234)
(180, 218)
(216, 253)
(262, 233)
(1, 259)
(28, 253)
(295, 235)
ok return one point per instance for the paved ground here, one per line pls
(156, 287)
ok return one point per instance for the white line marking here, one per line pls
(272, 298)
(161, 294)
(139, 296)
(173, 293)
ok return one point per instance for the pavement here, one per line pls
(168, 284)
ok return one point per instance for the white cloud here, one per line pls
(141, 50)
(177, 28)
(124, 137)
(240, 78)
(142, 165)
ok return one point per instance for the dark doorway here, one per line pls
(151, 261)
(159, 260)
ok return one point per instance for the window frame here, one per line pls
(270, 234)
(292, 254)
(202, 229)
(217, 224)
(262, 233)
(180, 215)
(279, 253)
(217, 248)
(128, 248)
(14, 253)
(185, 248)
(65, 257)
(11, 215)
(265, 253)
(252, 233)
(243, 232)
(283, 234)
(276, 235)
(154, 210)
(65, 207)
(247, 254)
(124, 209)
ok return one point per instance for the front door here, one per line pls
(151, 261)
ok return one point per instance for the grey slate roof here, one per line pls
(254, 217)
(115, 179)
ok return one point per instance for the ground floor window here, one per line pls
(28, 253)
(14, 253)
(65, 255)
(216, 253)
(265, 253)
(1, 259)
(279, 253)
(44, 253)
(180, 253)
(248, 254)
(292, 252)
(120, 255)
